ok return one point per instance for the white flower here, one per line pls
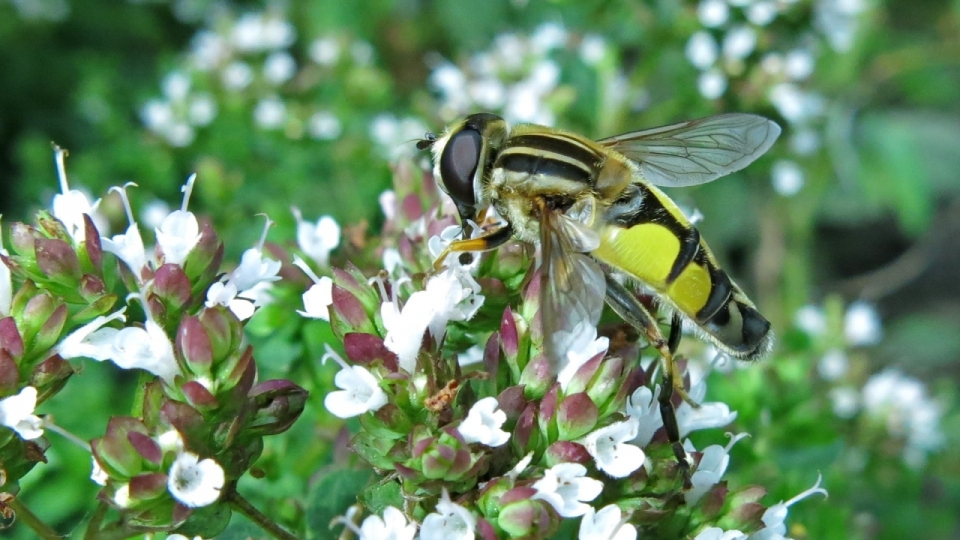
(471, 356)
(716, 533)
(254, 269)
(324, 125)
(16, 413)
(271, 113)
(712, 83)
(388, 204)
(708, 415)
(405, 327)
(804, 141)
(548, 36)
(739, 42)
(902, 403)
(450, 522)
(157, 115)
(359, 392)
(454, 295)
(787, 178)
(70, 205)
(643, 406)
(324, 51)
(833, 365)
(193, 482)
(610, 449)
(592, 49)
(97, 474)
(607, 524)
(861, 325)
(361, 52)
(762, 13)
(146, 348)
(170, 441)
(254, 32)
(208, 50)
(845, 401)
(202, 109)
(92, 340)
(177, 236)
(317, 240)
(713, 13)
(127, 247)
(179, 134)
(176, 85)
(773, 517)
(713, 464)
(798, 64)
(237, 76)
(579, 347)
(279, 68)
(121, 497)
(482, 424)
(702, 50)
(225, 294)
(319, 297)
(176, 536)
(567, 488)
(811, 320)
(393, 526)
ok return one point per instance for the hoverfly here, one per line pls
(596, 212)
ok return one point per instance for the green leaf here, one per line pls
(381, 495)
(332, 496)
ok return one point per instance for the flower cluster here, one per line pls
(203, 413)
(499, 447)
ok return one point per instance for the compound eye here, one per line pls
(458, 164)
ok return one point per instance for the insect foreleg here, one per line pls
(489, 241)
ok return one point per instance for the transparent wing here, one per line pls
(572, 285)
(698, 151)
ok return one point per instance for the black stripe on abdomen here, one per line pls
(557, 145)
(530, 163)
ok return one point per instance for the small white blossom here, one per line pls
(773, 518)
(16, 413)
(359, 392)
(607, 524)
(712, 83)
(146, 348)
(798, 64)
(483, 422)
(709, 415)
(157, 115)
(319, 297)
(713, 13)
(902, 403)
(97, 474)
(643, 406)
(592, 49)
(702, 50)
(271, 113)
(713, 464)
(611, 450)
(393, 526)
(6, 283)
(833, 365)
(567, 488)
(208, 50)
(237, 76)
(128, 247)
(762, 13)
(361, 52)
(388, 204)
(716, 533)
(202, 109)
(405, 327)
(121, 497)
(450, 522)
(225, 294)
(279, 68)
(844, 401)
(861, 325)
(170, 441)
(739, 42)
(91, 340)
(804, 141)
(176, 85)
(324, 51)
(179, 232)
(324, 126)
(317, 240)
(254, 269)
(787, 178)
(579, 347)
(70, 205)
(811, 320)
(176, 536)
(471, 356)
(193, 482)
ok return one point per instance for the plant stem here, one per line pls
(244, 507)
(31, 520)
(93, 528)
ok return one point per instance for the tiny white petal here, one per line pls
(317, 300)
(177, 235)
(450, 522)
(483, 422)
(713, 13)
(712, 83)
(611, 451)
(16, 413)
(861, 325)
(193, 482)
(359, 393)
(567, 488)
(607, 524)
(787, 178)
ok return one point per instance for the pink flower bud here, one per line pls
(525, 433)
(509, 337)
(145, 487)
(576, 416)
(92, 246)
(145, 446)
(49, 333)
(203, 262)
(10, 339)
(194, 346)
(57, 260)
(9, 374)
(172, 285)
(365, 349)
(198, 396)
(567, 452)
(50, 375)
(277, 405)
(115, 452)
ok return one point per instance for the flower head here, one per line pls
(194, 482)
(643, 406)
(16, 413)
(359, 392)
(318, 239)
(450, 522)
(607, 524)
(393, 526)
(567, 488)
(610, 449)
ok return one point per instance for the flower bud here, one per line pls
(446, 457)
(21, 239)
(525, 433)
(509, 338)
(10, 338)
(49, 333)
(489, 500)
(190, 423)
(146, 447)
(745, 517)
(92, 287)
(114, 451)
(198, 396)
(387, 422)
(491, 360)
(223, 329)
(277, 405)
(50, 375)
(606, 382)
(147, 486)
(52, 227)
(567, 452)
(9, 374)
(367, 349)
(585, 374)
(172, 286)
(238, 373)
(347, 314)
(512, 402)
(352, 280)
(576, 416)
(523, 516)
(194, 346)
(94, 309)
(92, 248)
(35, 314)
(536, 377)
(203, 262)
(57, 260)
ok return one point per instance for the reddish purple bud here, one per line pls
(520, 493)
(91, 287)
(35, 313)
(277, 403)
(21, 239)
(180, 513)
(581, 379)
(411, 208)
(144, 487)
(491, 355)
(365, 349)
(746, 517)
(608, 379)
(190, 423)
(172, 285)
(153, 398)
(146, 447)
(576, 416)
(509, 337)
(748, 494)
(114, 450)
(406, 248)
(486, 530)
(91, 244)
(537, 377)
(9, 374)
(531, 302)
(203, 261)
(49, 333)
(525, 430)
(53, 227)
(567, 452)
(527, 517)
(57, 260)
(712, 503)
(238, 372)
(348, 314)
(50, 375)
(223, 329)
(548, 406)
(512, 401)
(10, 339)
(198, 396)
(194, 345)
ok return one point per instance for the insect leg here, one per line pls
(625, 304)
(487, 242)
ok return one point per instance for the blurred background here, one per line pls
(846, 233)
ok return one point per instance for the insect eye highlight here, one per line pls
(458, 164)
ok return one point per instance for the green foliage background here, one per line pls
(878, 218)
